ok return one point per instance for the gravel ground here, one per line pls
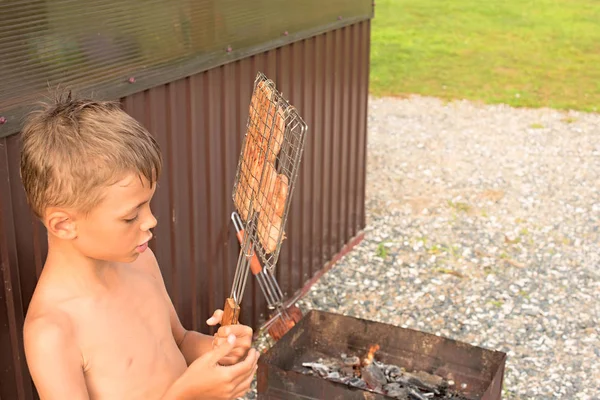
(483, 226)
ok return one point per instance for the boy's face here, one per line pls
(118, 229)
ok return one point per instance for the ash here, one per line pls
(386, 379)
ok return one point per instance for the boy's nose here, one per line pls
(149, 223)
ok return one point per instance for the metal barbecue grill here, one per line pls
(265, 180)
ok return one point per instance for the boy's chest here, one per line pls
(127, 336)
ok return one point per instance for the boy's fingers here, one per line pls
(237, 330)
(216, 318)
(222, 349)
(246, 367)
(243, 387)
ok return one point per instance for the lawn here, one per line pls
(519, 52)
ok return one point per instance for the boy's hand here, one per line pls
(206, 379)
(243, 340)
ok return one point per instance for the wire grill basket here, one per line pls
(267, 170)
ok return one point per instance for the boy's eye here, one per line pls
(132, 219)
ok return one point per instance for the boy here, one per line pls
(100, 324)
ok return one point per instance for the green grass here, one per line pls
(520, 52)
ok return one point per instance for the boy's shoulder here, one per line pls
(49, 326)
(45, 310)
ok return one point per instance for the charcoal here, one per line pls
(391, 386)
(415, 394)
(321, 369)
(396, 391)
(374, 376)
(323, 372)
(357, 382)
(408, 379)
(392, 372)
(351, 361)
(429, 379)
(386, 379)
(334, 376)
(314, 365)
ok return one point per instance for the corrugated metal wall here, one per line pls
(199, 122)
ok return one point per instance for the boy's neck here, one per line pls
(65, 260)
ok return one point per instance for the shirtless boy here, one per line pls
(100, 324)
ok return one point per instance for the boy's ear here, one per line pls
(61, 224)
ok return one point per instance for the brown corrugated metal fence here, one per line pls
(199, 122)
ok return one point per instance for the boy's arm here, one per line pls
(53, 359)
(191, 343)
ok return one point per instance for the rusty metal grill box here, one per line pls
(477, 372)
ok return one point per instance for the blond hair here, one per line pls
(71, 149)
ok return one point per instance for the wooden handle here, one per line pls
(255, 266)
(231, 313)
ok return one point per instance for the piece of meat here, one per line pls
(246, 184)
(242, 197)
(267, 121)
(275, 128)
(267, 188)
(269, 229)
(272, 205)
(280, 194)
(273, 191)
(265, 134)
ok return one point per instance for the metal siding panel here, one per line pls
(365, 28)
(190, 182)
(171, 184)
(283, 80)
(13, 371)
(319, 135)
(26, 265)
(10, 385)
(345, 138)
(338, 61)
(202, 265)
(171, 178)
(354, 132)
(218, 288)
(40, 247)
(328, 164)
(308, 205)
(179, 104)
(341, 137)
(24, 222)
(229, 137)
(297, 98)
(7, 265)
(219, 183)
(161, 203)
